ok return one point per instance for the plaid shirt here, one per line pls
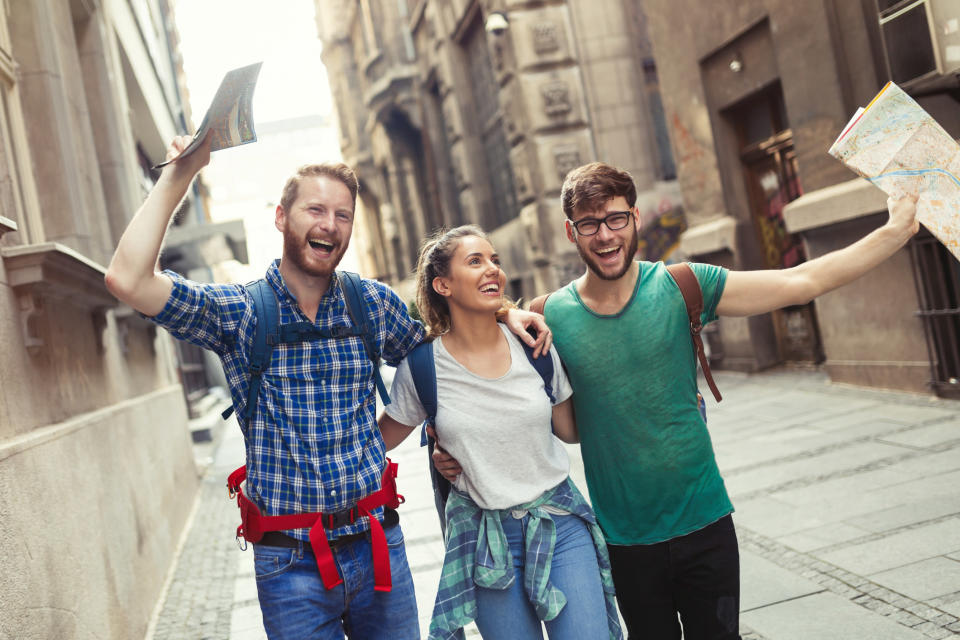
(478, 554)
(313, 443)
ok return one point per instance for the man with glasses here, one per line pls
(623, 333)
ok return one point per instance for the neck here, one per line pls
(472, 330)
(307, 289)
(592, 287)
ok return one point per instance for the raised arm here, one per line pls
(132, 275)
(747, 293)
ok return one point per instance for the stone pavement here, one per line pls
(848, 515)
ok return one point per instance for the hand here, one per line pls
(903, 213)
(189, 166)
(446, 464)
(518, 321)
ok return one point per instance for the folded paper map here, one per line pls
(229, 120)
(897, 146)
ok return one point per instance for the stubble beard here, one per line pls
(597, 270)
(295, 249)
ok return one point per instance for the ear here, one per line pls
(281, 218)
(441, 286)
(571, 232)
(637, 218)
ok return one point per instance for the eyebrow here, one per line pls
(477, 253)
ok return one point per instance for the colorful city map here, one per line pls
(899, 147)
(229, 120)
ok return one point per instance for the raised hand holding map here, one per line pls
(900, 148)
(229, 120)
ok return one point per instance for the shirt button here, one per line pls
(333, 492)
(323, 383)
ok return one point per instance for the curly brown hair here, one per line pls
(588, 187)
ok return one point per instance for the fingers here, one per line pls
(546, 340)
(446, 465)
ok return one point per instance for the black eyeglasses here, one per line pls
(615, 220)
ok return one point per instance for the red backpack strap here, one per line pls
(686, 279)
(537, 304)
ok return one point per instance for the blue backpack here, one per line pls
(424, 372)
(271, 333)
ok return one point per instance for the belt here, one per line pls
(278, 539)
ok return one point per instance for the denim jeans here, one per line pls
(508, 613)
(296, 605)
(696, 576)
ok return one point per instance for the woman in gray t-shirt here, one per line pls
(522, 543)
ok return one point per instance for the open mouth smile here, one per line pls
(322, 246)
(490, 288)
(608, 254)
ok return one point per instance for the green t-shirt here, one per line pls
(649, 462)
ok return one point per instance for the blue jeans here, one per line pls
(508, 613)
(296, 605)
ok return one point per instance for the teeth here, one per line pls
(321, 243)
(489, 288)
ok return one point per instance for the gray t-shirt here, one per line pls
(498, 429)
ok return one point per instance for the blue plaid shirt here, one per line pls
(313, 443)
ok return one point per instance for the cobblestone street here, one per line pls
(848, 516)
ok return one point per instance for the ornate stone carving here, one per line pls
(545, 37)
(556, 98)
(566, 158)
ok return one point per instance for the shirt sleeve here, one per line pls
(712, 280)
(200, 313)
(405, 405)
(402, 333)
(561, 384)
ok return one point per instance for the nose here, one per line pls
(604, 232)
(326, 220)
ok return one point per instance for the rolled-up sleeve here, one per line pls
(202, 314)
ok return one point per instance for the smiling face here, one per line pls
(317, 225)
(475, 281)
(608, 254)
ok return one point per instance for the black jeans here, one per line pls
(696, 576)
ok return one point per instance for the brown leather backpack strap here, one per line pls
(537, 304)
(686, 279)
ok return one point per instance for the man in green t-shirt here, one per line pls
(623, 332)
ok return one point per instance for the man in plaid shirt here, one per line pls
(312, 444)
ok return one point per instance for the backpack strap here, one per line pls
(686, 279)
(268, 318)
(423, 369)
(357, 308)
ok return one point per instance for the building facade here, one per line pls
(755, 93)
(467, 111)
(97, 477)
(474, 110)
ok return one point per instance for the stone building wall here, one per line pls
(449, 122)
(97, 476)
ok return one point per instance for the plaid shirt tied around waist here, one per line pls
(313, 442)
(478, 554)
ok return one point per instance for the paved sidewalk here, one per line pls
(848, 515)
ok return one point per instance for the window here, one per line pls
(905, 26)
